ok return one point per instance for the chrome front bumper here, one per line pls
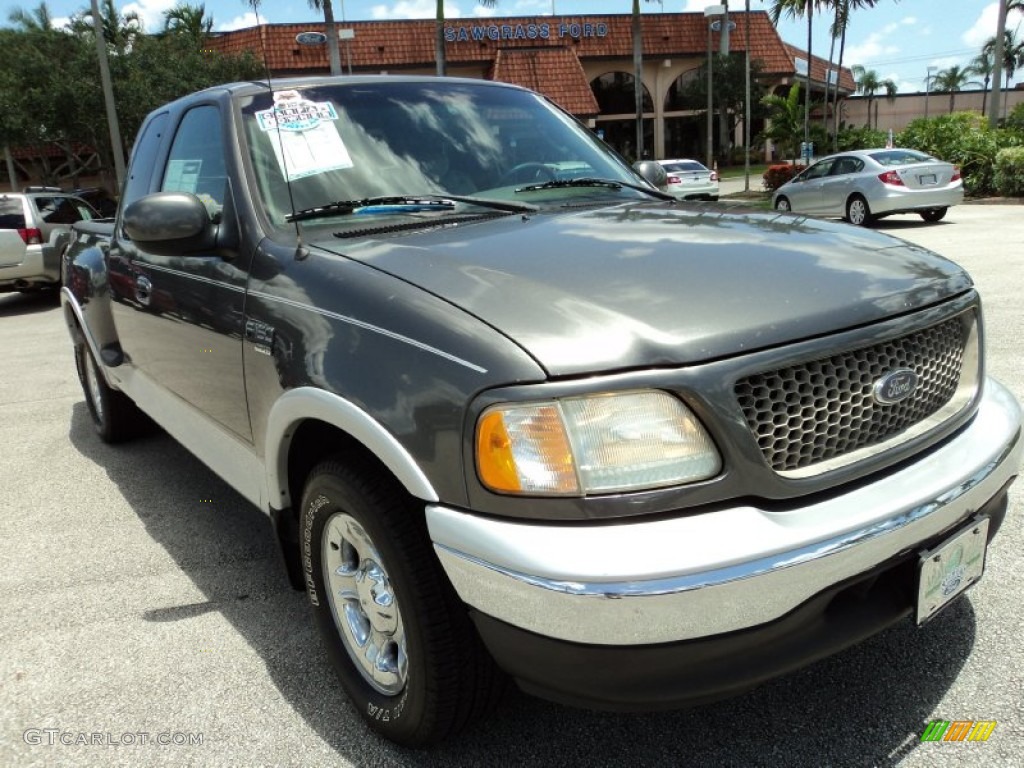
(690, 577)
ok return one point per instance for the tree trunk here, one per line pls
(331, 30)
(835, 107)
(984, 95)
(810, 58)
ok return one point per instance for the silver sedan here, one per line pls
(867, 184)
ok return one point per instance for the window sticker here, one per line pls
(182, 175)
(305, 139)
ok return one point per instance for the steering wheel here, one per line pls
(540, 172)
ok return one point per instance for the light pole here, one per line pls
(746, 98)
(709, 11)
(927, 88)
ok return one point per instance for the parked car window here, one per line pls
(196, 160)
(817, 170)
(57, 210)
(845, 166)
(12, 213)
(900, 157)
(684, 167)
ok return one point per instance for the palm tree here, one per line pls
(839, 26)
(785, 120)
(869, 83)
(1013, 52)
(951, 80)
(331, 30)
(794, 9)
(982, 65)
(442, 64)
(120, 31)
(37, 20)
(188, 19)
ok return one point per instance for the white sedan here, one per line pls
(690, 180)
(867, 184)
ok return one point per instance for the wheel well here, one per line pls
(313, 442)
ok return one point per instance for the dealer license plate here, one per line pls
(950, 568)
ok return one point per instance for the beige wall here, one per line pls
(897, 114)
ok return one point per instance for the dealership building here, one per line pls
(583, 63)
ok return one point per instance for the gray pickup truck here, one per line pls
(515, 414)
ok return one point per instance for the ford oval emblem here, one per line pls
(895, 386)
(311, 38)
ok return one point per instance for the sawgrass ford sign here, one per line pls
(544, 31)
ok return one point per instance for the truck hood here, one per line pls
(647, 284)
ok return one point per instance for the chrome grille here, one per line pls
(806, 415)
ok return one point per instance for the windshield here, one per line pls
(365, 140)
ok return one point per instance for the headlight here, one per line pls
(594, 444)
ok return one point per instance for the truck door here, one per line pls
(179, 318)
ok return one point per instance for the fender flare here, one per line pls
(303, 403)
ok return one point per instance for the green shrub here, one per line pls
(777, 175)
(1015, 120)
(963, 138)
(860, 138)
(1009, 172)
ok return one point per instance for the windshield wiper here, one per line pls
(404, 204)
(591, 182)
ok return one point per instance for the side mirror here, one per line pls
(652, 172)
(170, 224)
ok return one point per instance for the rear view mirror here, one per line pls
(170, 224)
(652, 172)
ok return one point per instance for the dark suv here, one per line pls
(34, 227)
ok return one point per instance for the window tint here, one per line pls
(684, 167)
(12, 214)
(56, 210)
(144, 158)
(818, 170)
(196, 161)
(845, 165)
(900, 157)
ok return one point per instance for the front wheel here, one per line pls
(399, 639)
(934, 214)
(858, 212)
(782, 204)
(114, 416)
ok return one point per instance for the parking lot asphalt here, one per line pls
(142, 601)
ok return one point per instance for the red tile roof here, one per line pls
(819, 66)
(555, 72)
(395, 45)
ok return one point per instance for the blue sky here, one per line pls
(899, 40)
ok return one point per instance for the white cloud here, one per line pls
(151, 12)
(984, 28)
(872, 48)
(239, 22)
(414, 9)
(696, 6)
(60, 22)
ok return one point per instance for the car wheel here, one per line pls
(858, 212)
(114, 416)
(934, 214)
(782, 204)
(399, 639)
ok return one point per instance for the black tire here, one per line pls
(934, 214)
(858, 211)
(114, 417)
(782, 204)
(432, 676)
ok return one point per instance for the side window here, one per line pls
(196, 161)
(819, 170)
(57, 210)
(144, 158)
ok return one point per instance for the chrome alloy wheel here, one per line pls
(364, 605)
(92, 381)
(857, 211)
